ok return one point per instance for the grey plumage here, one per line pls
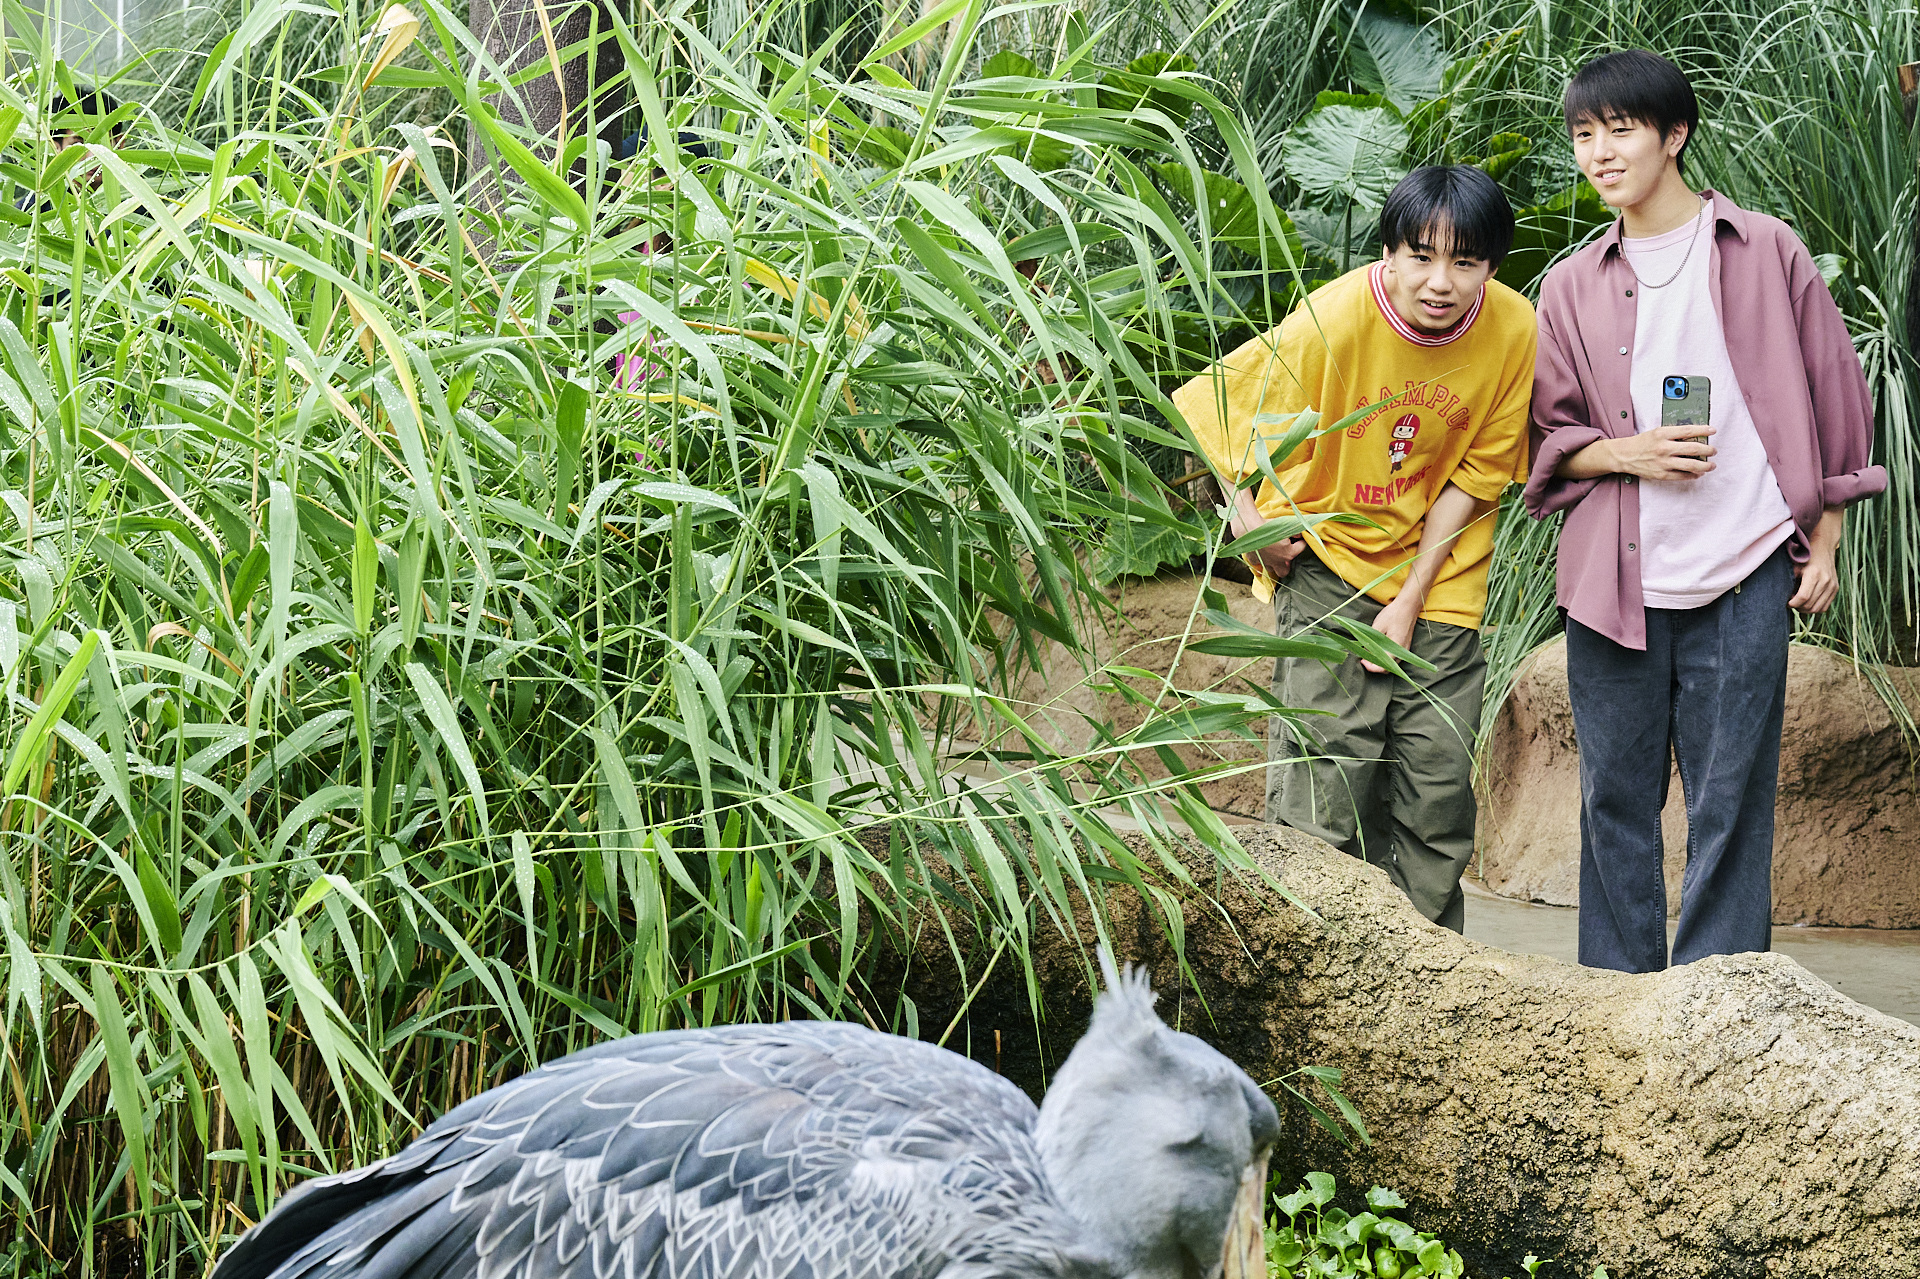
(806, 1150)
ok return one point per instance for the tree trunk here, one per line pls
(1734, 1117)
(510, 31)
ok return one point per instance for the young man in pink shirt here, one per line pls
(1686, 546)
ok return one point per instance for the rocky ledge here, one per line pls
(1733, 1118)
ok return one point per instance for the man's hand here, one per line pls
(1395, 621)
(1452, 510)
(1819, 580)
(1664, 453)
(1276, 558)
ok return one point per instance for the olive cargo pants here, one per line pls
(1387, 774)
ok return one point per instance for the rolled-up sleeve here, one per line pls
(1842, 405)
(1560, 423)
(1843, 490)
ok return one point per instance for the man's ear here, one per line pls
(1677, 138)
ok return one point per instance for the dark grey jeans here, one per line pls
(1708, 692)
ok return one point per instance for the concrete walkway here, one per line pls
(1879, 968)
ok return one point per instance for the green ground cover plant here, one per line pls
(1308, 1237)
(1311, 1238)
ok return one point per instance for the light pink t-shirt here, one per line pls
(1699, 538)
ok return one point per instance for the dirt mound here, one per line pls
(1845, 829)
(1145, 633)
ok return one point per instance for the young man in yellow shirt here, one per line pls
(1440, 356)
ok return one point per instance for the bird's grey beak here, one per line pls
(1246, 1251)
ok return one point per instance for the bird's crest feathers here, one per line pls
(1124, 1010)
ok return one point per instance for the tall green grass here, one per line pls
(400, 698)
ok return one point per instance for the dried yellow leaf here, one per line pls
(398, 26)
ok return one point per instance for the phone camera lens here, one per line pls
(1676, 388)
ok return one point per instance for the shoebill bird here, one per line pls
(812, 1150)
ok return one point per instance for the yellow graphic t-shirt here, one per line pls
(1455, 411)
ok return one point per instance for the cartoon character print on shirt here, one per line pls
(1400, 443)
(1445, 405)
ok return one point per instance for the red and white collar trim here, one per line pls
(1377, 277)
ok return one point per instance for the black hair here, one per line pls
(1455, 202)
(87, 101)
(1635, 85)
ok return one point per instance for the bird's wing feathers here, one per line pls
(802, 1151)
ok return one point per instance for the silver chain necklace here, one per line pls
(1691, 240)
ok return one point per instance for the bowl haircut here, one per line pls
(1638, 87)
(88, 107)
(97, 103)
(1455, 208)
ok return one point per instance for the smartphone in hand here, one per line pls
(1686, 401)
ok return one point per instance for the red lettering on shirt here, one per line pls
(1359, 429)
(1447, 405)
(1392, 491)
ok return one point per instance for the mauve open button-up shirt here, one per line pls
(1797, 370)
